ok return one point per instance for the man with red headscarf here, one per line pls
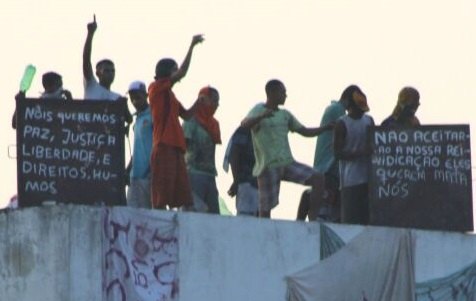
(202, 134)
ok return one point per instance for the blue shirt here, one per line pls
(241, 143)
(142, 145)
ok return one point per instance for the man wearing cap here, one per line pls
(138, 194)
(352, 150)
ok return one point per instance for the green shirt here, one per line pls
(200, 154)
(324, 154)
(270, 138)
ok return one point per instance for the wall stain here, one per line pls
(20, 258)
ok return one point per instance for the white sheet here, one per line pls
(140, 255)
(376, 265)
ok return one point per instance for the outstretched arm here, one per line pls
(87, 67)
(312, 132)
(182, 71)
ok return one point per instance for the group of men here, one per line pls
(340, 175)
(173, 165)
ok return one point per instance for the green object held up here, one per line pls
(27, 78)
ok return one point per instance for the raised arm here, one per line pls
(87, 66)
(182, 71)
(187, 114)
(20, 95)
(14, 119)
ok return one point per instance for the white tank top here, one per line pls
(355, 172)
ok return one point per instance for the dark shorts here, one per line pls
(205, 193)
(355, 204)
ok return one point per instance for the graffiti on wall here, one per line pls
(140, 256)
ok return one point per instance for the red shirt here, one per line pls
(165, 110)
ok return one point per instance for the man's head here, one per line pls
(210, 96)
(165, 68)
(354, 99)
(138, 95)
(105, 72)
(346, 95)
(408, 102)
(275, 92)
(51, 81)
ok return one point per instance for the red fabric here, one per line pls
(204, 115)
(170, 185)
(165, 110)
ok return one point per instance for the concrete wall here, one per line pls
(242, 258)
(50, 253)
(54, 253)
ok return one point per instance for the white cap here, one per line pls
(137, 85)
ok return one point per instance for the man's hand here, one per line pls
(20, 95)
(88, 45)
(92, 26)
(254, 121)
(267, 113)
(330, 125)
(66, 94)
(197, 39)
(233, 189)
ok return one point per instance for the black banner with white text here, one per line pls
(70, 152)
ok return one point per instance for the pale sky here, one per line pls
(315, 47)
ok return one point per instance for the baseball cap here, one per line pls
(137, 86)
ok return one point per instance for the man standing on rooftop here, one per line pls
(170, 182)
(138, 194)
(353, 152)
(105, 71)
(274, 162)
